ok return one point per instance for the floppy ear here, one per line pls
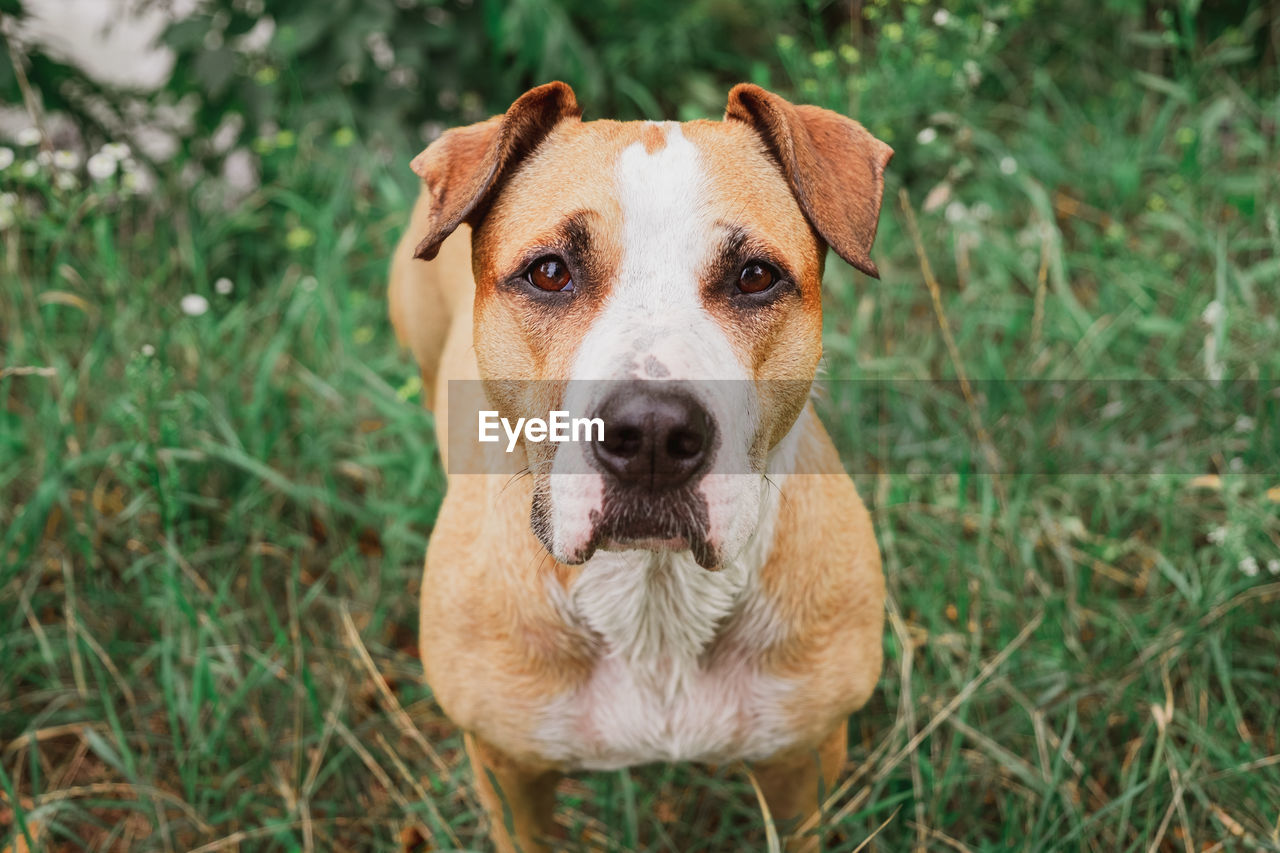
(835, 167)
(463, 166)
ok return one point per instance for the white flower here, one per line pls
(6, 158)
(101, 166)
(29, 169)
(1218, 535)
(1249, 567)
(44, 158)
(6, 217)
(308, 283)
(927, 136)
(989, 28)
(148, 350)
(66, 160)
(941, 17)
(957, 212)
(1213, 312)
(8, 201)
(1008, 165)
(1273, 566)
(1244, 423)
(223, 286)
(116, 150)
(66, 181)
(193, 305)
(28, 136)
(983, 211)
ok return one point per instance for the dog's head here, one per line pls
(663, 277)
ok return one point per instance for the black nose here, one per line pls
(654, 437)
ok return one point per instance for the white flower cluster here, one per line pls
(63, 163)
(1249, 565)
(108, 159)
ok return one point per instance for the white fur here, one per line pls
(655, 326)
(679, 676)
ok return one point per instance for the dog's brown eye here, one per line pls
(757, 277)
(549, 273)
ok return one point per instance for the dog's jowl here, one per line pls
(697, 583)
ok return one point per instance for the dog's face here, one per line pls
(665, 278)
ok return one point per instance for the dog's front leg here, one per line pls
(795, 784)
(520, 800)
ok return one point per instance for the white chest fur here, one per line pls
(679, 677)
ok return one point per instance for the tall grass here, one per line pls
(212, 525)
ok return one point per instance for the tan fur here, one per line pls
(835, 167)
(495, 649)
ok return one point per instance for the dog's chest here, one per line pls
(679, 676)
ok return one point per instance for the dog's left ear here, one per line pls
(463, 166)
(834, 165)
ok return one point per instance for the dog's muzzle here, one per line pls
(659, 440)
(656, 438)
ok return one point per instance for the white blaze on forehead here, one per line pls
(653, 325)
(654, 308)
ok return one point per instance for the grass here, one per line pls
(211, 527)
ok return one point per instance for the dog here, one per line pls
(702, 583)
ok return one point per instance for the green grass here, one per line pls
(206, 552)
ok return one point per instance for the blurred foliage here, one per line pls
(407, 66)
(396, 71)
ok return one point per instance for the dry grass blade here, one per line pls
(965, 693)
(381, 775)
(49, 733)
(770, 829)
(27, 370)
(947, 840)
(909, 714)
(420, 792)
(98, 789)
(392, 705)
(237, 838)
(942, 716)
(878, 830)
(953, 351)
(1042, 287)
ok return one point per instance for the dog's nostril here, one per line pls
(685, 444)
(624, 441)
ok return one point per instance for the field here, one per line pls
(217, 483)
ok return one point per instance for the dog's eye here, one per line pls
(757, 277)
(550, 274)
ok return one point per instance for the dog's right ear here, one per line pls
(462, 167)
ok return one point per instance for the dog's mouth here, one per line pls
(673, 521)
(703, 554)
